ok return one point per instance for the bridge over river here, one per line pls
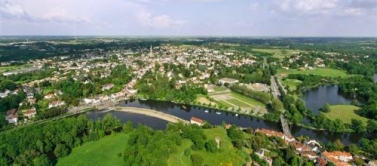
(275, 91)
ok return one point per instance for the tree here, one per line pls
(61, 150)
(357, 126)
(276, 162)
(196, 160)
(277, 105)
(372, 126)
(211, 146)
(42, 160)
(326, 108)
(188, 152)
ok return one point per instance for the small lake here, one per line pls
(316, 98)
(216, 119)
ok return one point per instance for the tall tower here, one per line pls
(151, 52)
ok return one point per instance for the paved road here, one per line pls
(275, 88)
(277, 94)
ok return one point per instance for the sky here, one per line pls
(189, 17)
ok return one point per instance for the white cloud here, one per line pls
(146, 19)
(305, 6)
(62, 15)
(254, 6)
(12, 10)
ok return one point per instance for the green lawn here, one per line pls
(179, 157)
(227, 155)
(291, 83)
(246, 99)
(345, 113)
(101, 152)
(278, 52)
(318, 71)
(238, 103)
(10, 68)
(220, 88)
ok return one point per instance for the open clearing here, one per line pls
(291, 83)
(278, 52)
(227, 155)
(345, 113)
(10, 68)
(327, 72)
(203, 99)
(236, 101)
(102, 152)
(106, 150)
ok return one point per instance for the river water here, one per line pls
(316, 98)
(216, 119)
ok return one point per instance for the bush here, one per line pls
(196, 160)
(187, 152)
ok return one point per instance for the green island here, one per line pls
(346, 113)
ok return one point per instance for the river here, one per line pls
(216, 119)
(316, 98)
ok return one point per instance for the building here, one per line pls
(11, 116)
(337, 157)
(30, 113)
(57, 103)
(271, 133)
(309, 155)
(196, 121)
(107, 87)
(229, 81)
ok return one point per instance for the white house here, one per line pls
(30, 113)
(196, 121)
(228, 81)
(57, 103)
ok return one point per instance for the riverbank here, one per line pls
(152, 113)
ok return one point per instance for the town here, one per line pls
(265, 83)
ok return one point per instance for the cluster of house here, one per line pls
(13, 115)
(311, 150)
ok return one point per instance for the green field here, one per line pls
(105, 152)
(220, 88)
(327, 72)
(238, 103)
(226, 156)
(246, 99)
(102, 152)
(345, 113)
(291, 83)
(10, 68)
(278, 52)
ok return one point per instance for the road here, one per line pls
(284, 123)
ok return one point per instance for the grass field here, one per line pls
(291, 83)
(236, 101)
(9, 68)
(318, 71)
(226, 156)
(247, 99)
(220, 88)
(101, 152)
(345, 113)
(278, 52)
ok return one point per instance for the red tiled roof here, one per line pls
(197, 120)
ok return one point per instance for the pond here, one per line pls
(316, 98)
(213, 117)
